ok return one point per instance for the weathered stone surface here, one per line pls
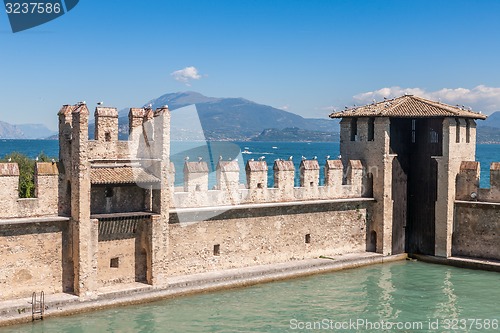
(31, 259)
(476, 231)
(132, 236)
(267, 235)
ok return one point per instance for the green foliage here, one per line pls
(26, 171)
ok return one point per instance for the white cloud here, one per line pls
(186, 74)
(480, 98)
(284, 107)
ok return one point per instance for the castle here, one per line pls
(109, 215)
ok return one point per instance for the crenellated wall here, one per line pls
(476, 229)
(46, 191)
(108, 213)
(228, 190)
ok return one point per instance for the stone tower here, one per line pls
(412, 149)
(116, 194)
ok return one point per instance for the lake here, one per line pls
(404, 296)
(486, 153)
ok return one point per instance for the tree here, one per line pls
(26, 171)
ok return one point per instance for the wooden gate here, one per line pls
(414, 180)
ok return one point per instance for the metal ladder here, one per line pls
(37, 306)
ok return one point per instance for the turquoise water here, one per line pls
(486, 153)
(410, 293)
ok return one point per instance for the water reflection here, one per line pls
(447, 309)
(401, 291)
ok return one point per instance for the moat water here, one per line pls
(486, 153)
(403, 296)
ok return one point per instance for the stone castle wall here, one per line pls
(33, 258)
(476, 230)
(79, 235)
(266, 234)
(45, 202)
(229, 191)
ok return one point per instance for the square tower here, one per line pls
(412, 148)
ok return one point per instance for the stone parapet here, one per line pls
(228, 191)
(44, 203)
(468, 183)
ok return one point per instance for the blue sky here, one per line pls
(303, 56)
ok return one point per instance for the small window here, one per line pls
(457, 121)
(311, 184)
(308, 238)
(107, 136)
(259, 185)
(467, 130)
(198, 188)
(354, 129)
(371, 129)
(114, 262)
(108, 192)
(413, 130)
(433, 136)
(217, 250)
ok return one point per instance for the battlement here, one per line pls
(144, 125)
(228, 190)
(468, 183)
(46, 195)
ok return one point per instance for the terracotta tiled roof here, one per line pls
(309, 165)
(408, 106)
(228, 166)
(283, 165)
(46, 168)
(256, 166)
(121, 175)
(9, 169)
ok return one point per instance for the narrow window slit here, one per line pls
(114, 262)
(308, 238)
(217, 250)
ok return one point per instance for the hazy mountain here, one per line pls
(295, 134)
(231, 118)
(8, 131)
(493, 120)
(35, 131)
(24, 131)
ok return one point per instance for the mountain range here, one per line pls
(228, 119)
(24, 131)
(233, 119)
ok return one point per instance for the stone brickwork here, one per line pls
(476, 229)
(265, 235)
(32, 259)
(455, 150)
(229, 191)
(46, 195)
(108, 214)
